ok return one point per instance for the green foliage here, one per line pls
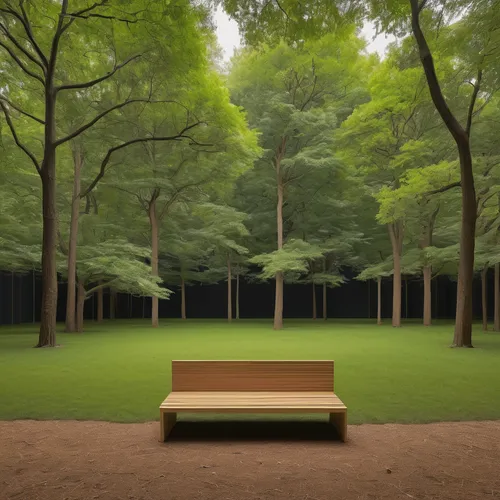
(292, 258)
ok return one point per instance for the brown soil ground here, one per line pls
(56, 460)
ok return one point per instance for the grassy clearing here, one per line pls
(121, 371)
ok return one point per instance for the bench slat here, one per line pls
(235, 376)
(253, 401)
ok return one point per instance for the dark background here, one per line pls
(20, 296)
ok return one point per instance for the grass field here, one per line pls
(121, 371)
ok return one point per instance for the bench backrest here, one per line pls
(252, 376)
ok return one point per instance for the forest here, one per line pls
(134, 159)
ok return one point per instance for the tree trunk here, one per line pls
(427, 272)
(153, 221)
(112, 304)
(496, 322)
(325, 311)
(238, 295)
(100, 305)
(396, 235)
(73, 235)
(229, 291)
(314, 308)
(484, 298)
(463, 322)
(48, 314)
(463, 319)
(183, 299)
(379, 300)
(80, 304)
(278, 302)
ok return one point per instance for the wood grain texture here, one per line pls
(253, 402)
(252, 376)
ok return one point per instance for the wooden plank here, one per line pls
(266, 402)
(239, 376)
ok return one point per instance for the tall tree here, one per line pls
(42, 53)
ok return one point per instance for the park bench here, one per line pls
(252, 387)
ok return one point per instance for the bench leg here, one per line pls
(339, 421)
(167, 422)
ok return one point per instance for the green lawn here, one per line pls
(121, 371)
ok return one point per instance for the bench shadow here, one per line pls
(255, 430)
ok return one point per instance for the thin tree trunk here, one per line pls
(484, 298)
(496, 322)
(396, 235)
(73, 235)
(427, 272)
(80, 305)
(229, 291)
(314, 308)
(183, 299)
(278, 303)
(112, 304)
(379, 300)
(100, 305)
(425, 242)
(153, 221)
(237, 295)
(325, 310)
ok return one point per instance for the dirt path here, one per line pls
(67, 460)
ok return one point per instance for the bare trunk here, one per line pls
(496, 322)
(229, 291)
(112, 304)
(325, 311)
(278, 302)
(80, 304)
(315, 311)
(484, 297)
(153, 221)
(238, 296)
(396, 235)
(72, 244)
(183, 299)
(463, 321)
(100, 305)
(48, 314)
(379, 300)
(427, 272)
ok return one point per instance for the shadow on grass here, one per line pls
(282, 431)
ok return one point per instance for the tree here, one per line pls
(380, 138)
(481, 21)
(292, 98)
(42, 55)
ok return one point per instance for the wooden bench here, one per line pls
(252, 387)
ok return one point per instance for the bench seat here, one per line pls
(252, 402)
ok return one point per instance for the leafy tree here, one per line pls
(42, 55)
(293, 97)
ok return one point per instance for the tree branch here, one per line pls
(24, 20)
(16, 138)
(26, 52)
(473, 98)
(89, 124)
(444, 188)
(21, 64)
(112, 150)
(438, 99)
(91, 83)
(25, 113)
